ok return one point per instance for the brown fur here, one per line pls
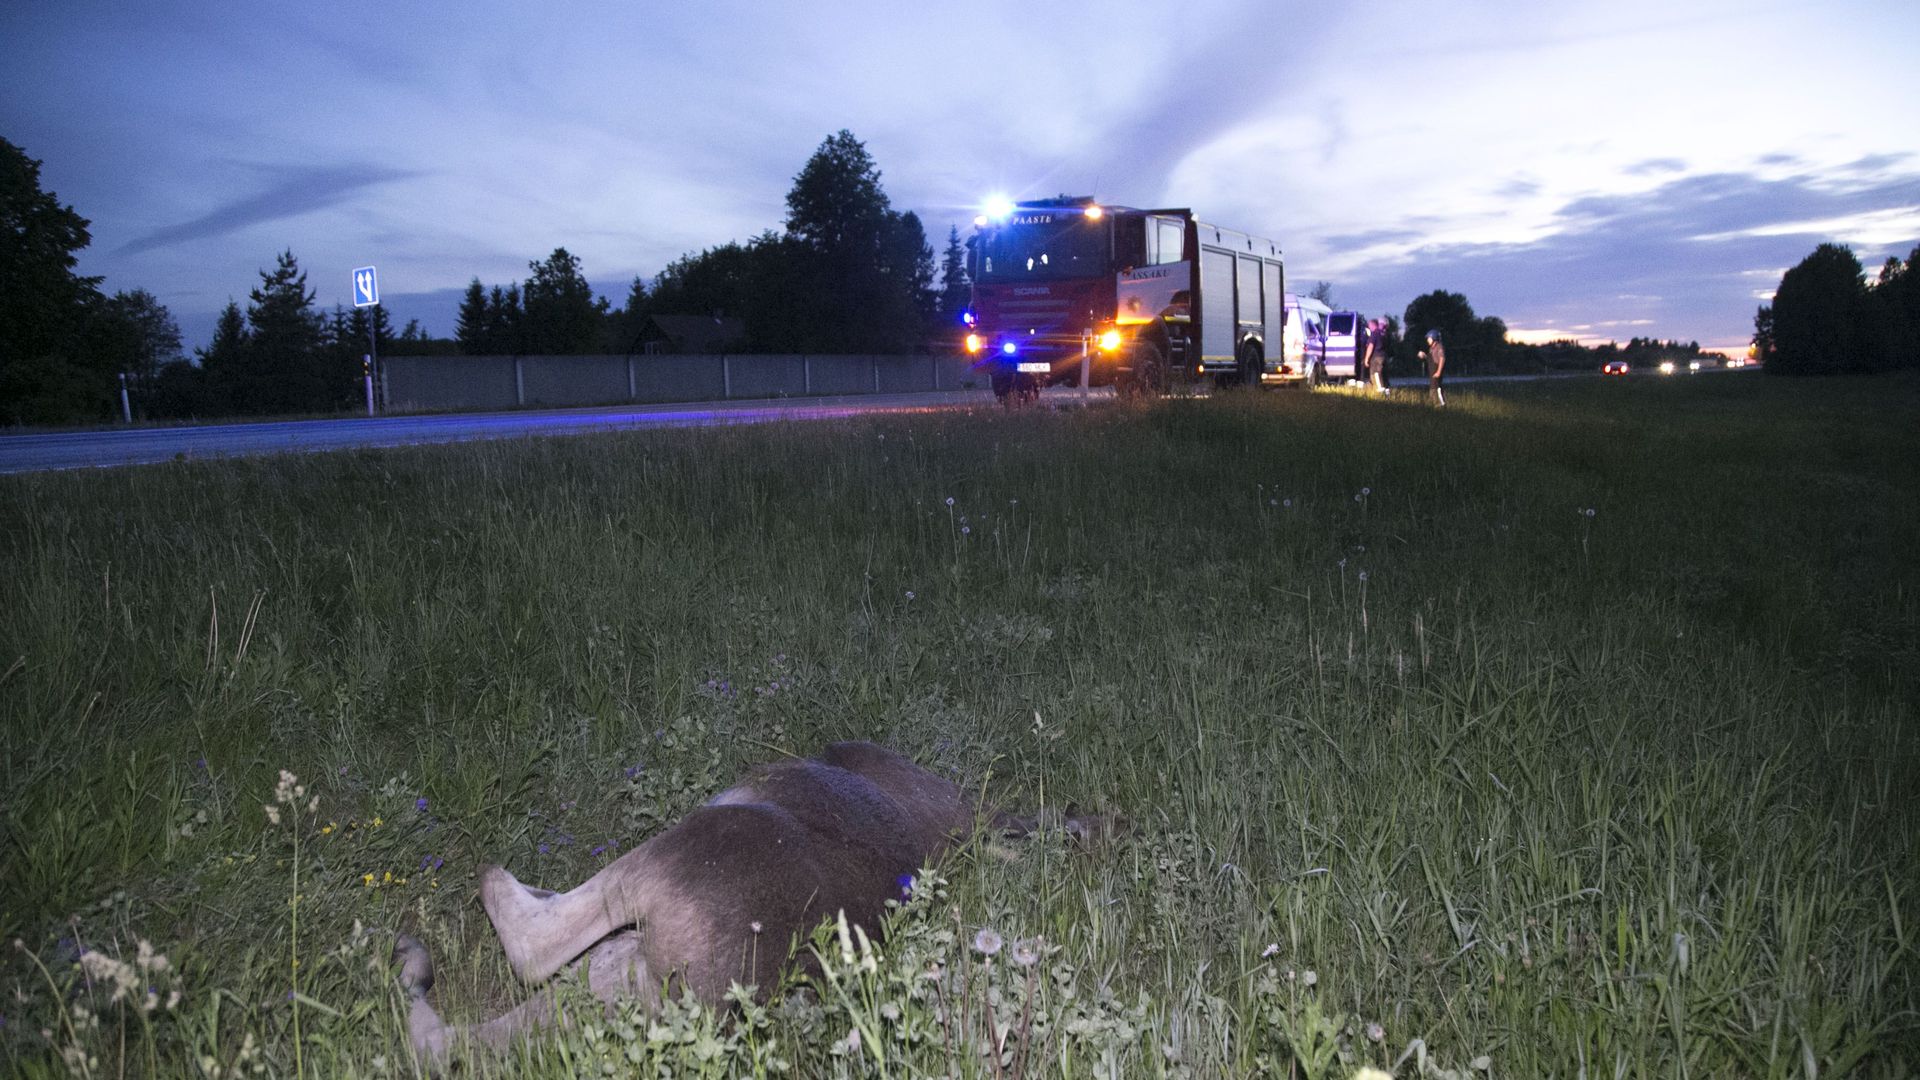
(791, 845)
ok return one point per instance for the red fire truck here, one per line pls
(1138, 299)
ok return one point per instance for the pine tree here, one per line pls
(286, 370)
(956, 287)
(504, 322)
(471, 328)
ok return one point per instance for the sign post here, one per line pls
(366, 293)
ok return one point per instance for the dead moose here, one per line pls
(719, 897)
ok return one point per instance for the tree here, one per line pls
(286, 369)
(505, 322)
(956, 288)
(561, 317)
(1323, 292)
(1817, 315)
(137, 333)
(625, 325)
(470, 327)
(46, 374)
(836, 206)
(1894, 315)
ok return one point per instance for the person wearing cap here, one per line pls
(1435, 356)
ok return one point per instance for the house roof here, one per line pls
(700, 333)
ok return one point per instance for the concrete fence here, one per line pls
(503, 382)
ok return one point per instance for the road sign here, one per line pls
(366, 287)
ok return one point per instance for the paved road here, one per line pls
(139, 446)
(107, 448)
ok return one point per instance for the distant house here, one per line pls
(696, 334)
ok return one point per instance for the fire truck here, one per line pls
(1141, 300)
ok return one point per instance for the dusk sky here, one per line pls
(1633, 168)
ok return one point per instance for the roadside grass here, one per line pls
(1568, 730)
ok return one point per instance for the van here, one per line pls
(1343, 344)
(1304, 341)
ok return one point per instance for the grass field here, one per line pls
(1569, 730)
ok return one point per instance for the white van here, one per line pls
(1304, 343)
(1343, 345)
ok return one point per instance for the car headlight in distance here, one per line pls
(1666, 367)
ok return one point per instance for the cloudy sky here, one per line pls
(1599, 170)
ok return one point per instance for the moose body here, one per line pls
(723, 895)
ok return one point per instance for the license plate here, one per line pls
(1035, 367)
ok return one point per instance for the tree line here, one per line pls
(1478, 344)
(846, 273)
(1828, 319)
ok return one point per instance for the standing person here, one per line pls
(1435, 356)
(1377, 355)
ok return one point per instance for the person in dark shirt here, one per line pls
(1377, 355)
(1435, 356)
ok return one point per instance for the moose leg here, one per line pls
(541, 931)
(616, 969)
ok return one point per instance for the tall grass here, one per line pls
(1567, 730)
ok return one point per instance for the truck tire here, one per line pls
(1316, 376)
(1252, 365)
(1149, 375)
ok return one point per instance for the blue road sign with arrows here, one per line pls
(366, 287)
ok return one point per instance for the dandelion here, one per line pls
(1366, 491)
(987, 942)
(1481, 1063)
(273, 814)
(1309, 978)
(755, 926)
(1368, 1072)
(910, 596)
(966, 530)
(1286, 504)
(1363, 575)
(1272, 949)
(367, 879)
(1025, 953)
(949, 500)
(1376, 1033)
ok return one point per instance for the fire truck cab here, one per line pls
(1136, 299)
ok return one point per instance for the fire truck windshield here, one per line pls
(1046, 245)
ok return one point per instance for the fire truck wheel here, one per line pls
(1026, 389)
(1149, 374)
(1252, 365)
(1316, 376)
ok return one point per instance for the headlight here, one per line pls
(973, 343)
(1110, 341)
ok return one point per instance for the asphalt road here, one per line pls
(112, 447)
(108, 448)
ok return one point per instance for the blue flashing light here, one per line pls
(999, 207)
(967, 317)
(1009, 348)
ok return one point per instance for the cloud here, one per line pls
(1656, 165)
(299, 190)
(1682, 258)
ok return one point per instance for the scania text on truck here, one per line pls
(1139, 299)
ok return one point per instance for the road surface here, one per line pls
(140, 446)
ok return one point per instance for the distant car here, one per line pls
(1615, 367)
(1693, 365)
(1667, 367)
